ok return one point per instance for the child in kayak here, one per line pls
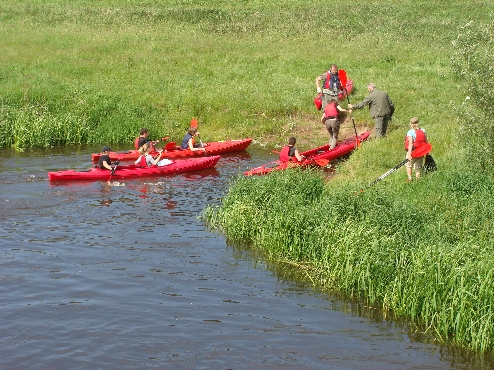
(146, 159)
(289, 151)
(104, 161)
(188, 140)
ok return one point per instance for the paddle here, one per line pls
(194, 123)
(113, 170)
(343, 79)
(170, 146)
(417, 153)
(359, 143)
(202, 145)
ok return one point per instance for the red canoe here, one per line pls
(315, 157)
(213, 148)
(129, 172)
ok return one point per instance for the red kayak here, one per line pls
(133, 171)
(173, 151)
(320, 156)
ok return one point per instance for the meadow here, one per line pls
(97, 71)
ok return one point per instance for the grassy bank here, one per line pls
(421, 250)
(413, 249)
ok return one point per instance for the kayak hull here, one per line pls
(130, 172)
(213, 148)
(312, 157)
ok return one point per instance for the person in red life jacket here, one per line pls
(331, 119)
(331, 85)
(415, 137)
(143, 138)
(188, 140)
(289, 151)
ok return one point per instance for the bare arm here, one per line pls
(318, 80)
(191, 146)
(410, 147)
(343, 109)
(107, 166)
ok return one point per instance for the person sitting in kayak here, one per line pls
(289, 151)
(188, 141)
(146, 159)
(142, 138)
(104, 161)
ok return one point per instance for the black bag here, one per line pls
(429, 164)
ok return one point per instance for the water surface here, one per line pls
(94, 276)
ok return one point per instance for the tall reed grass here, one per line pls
(416, 250)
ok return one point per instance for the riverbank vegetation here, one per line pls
(421, 250)
(97, 71)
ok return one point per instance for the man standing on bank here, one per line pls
(331, 85)
(380, 106)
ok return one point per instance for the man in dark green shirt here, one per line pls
(380, 106)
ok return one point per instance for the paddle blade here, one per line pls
(321, 162)
(170, 146)
(193, 122)
(422, 150)
(343, 77)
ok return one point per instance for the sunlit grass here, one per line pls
(244, 70)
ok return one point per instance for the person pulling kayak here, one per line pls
(415, 138)
(188, 141)
(289, 151)
(331, 119)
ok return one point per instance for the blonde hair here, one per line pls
(414, 121)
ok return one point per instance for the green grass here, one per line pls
(89, 71)
(242, 68)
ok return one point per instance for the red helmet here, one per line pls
(318, 101)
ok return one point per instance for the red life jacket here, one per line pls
(318, 101)
(331, 111)
(284, 157)
(420, 139)
(141, 161)
(136, 142)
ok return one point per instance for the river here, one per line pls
(124, 276)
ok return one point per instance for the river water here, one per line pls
(94, 276)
